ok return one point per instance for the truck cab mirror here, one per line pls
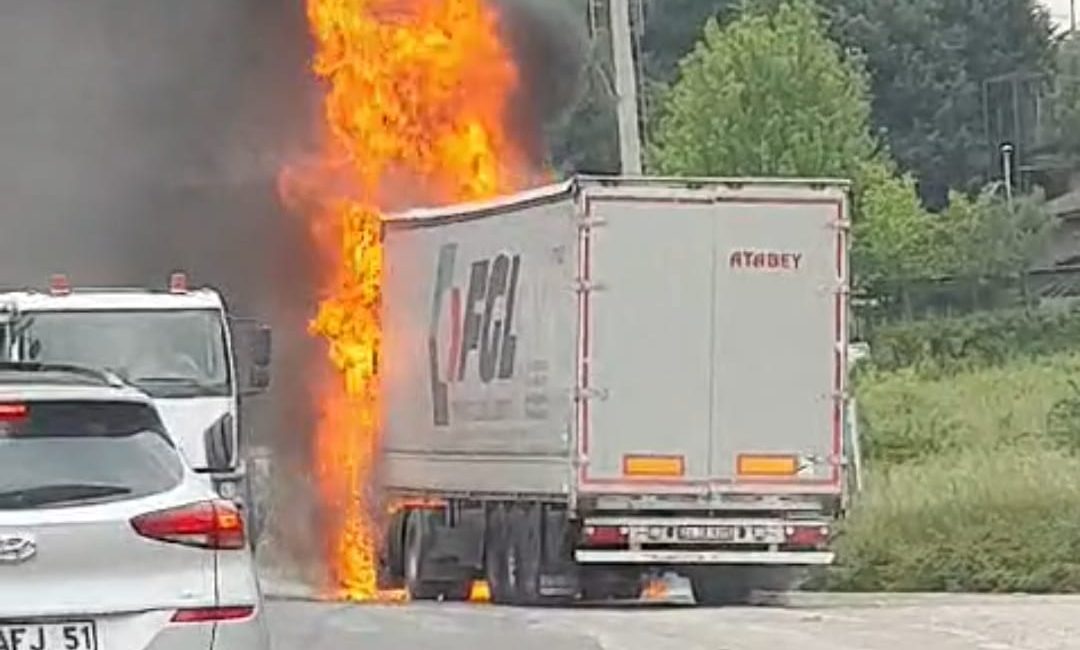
(258, 380)
(261, 347)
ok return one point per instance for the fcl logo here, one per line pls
(482, 323)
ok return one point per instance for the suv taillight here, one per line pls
(207, 524)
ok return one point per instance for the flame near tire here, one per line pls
(414, 112)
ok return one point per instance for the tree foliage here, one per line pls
(671, 29)
(771, 94)
(974, 254)
(989, 237)
(893, 236)
(767, 95)
(928, 60)
(1061, 126)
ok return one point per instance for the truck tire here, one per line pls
(496, 549)
(526, 545)
(393, 551)
(419, 533)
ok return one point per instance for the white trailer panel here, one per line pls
(715, 339)
(478, 355)
(619, 337)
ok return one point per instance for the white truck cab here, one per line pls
(178, 345)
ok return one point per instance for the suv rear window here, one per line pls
(68, 453)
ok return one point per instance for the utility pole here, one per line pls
(1007, 171)
(622, 46)
(1072, 17)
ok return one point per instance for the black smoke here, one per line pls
(549, 42)
(142, 136)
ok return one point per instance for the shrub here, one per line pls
(949, 345)
(1063, 421)
(906, 416)
(969, 488)
(1001, 520)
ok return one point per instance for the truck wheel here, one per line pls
(394, 550)
(718, 587)
(418, 533)
(526, 552)
(495, 556)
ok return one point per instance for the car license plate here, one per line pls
(75, 635)
(707, 533)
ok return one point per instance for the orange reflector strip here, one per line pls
(754, 465)
(653, 466)
(480, 593)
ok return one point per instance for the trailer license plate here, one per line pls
(707, 533)
(76, 635)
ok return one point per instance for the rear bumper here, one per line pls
(770, 558)
(250, 634)
(245, 634)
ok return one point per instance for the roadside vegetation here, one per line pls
(973, 477)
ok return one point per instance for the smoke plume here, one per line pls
(138, 137)
(549, 42)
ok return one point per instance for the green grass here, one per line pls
(966, 491)
(906, 416)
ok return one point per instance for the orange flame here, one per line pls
(416, 97)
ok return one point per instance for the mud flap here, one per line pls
(391, 573)
(453, 553)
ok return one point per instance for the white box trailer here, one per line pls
(589, 382)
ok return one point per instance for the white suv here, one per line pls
(108, 540)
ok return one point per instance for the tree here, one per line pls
(928, 60)
(1061, 126)
(671, 29)
(893, 238)
(767, 95)
(771, 95)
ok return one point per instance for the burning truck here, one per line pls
(585, 385)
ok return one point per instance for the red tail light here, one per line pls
(10, 412)
(606, 535)
(807, 536)
(210, 614)
(207, 524)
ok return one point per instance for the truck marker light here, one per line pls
(479, 592)
(767, 465)
(654, 466)
(178, 283)
(59, 285)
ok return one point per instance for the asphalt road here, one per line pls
(816, 623)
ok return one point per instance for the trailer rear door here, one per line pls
(713, 341)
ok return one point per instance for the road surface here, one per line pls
(814, 623)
